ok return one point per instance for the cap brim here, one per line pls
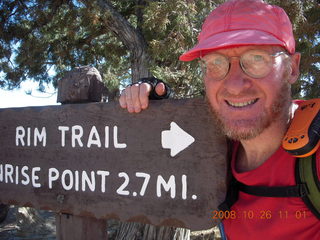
(231, 39)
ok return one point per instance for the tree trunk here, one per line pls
(131, 38)
(135, 42)
(137, 231)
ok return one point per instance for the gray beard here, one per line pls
(278, 112)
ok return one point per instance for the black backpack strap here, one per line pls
(232, 183)
(299, 190)
(306, 173)
(231, 196)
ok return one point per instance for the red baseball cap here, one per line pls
(241, 23)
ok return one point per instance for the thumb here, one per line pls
(160, 89)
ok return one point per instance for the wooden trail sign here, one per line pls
(164, 166)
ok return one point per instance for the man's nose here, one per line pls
(236, 81)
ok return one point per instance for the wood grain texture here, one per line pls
(203, 163)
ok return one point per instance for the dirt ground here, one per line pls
(11, 229)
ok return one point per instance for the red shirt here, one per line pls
(267, 217)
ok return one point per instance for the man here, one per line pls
(249, 62)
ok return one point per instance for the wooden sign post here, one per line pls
(164, 166)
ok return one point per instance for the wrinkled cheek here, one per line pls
(218, 115)
(211, 98)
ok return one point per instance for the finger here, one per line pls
(122, 99)
(160, 89)
(135, 89)
(128, 98)
(144, 93)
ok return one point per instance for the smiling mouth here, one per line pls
(242, 104)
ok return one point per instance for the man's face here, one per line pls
(246, 106)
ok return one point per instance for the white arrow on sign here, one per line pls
(175, 139)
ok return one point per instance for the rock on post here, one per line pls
(81, 85)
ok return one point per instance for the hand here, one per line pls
(136, 97)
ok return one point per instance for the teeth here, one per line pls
(243, 104)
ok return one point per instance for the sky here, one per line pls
(19, 97)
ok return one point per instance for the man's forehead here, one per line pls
(238, 50)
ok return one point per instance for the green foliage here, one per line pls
(304, 15)
(36, 35)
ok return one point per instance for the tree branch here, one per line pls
(130, 37)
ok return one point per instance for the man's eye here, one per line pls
(258, 58)
(218, 61)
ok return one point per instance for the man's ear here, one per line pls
(294, 65)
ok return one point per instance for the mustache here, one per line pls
(243, 94)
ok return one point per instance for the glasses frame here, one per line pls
(273, 56)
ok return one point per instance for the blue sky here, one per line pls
(19, 98)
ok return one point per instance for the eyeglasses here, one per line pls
(254, 63)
